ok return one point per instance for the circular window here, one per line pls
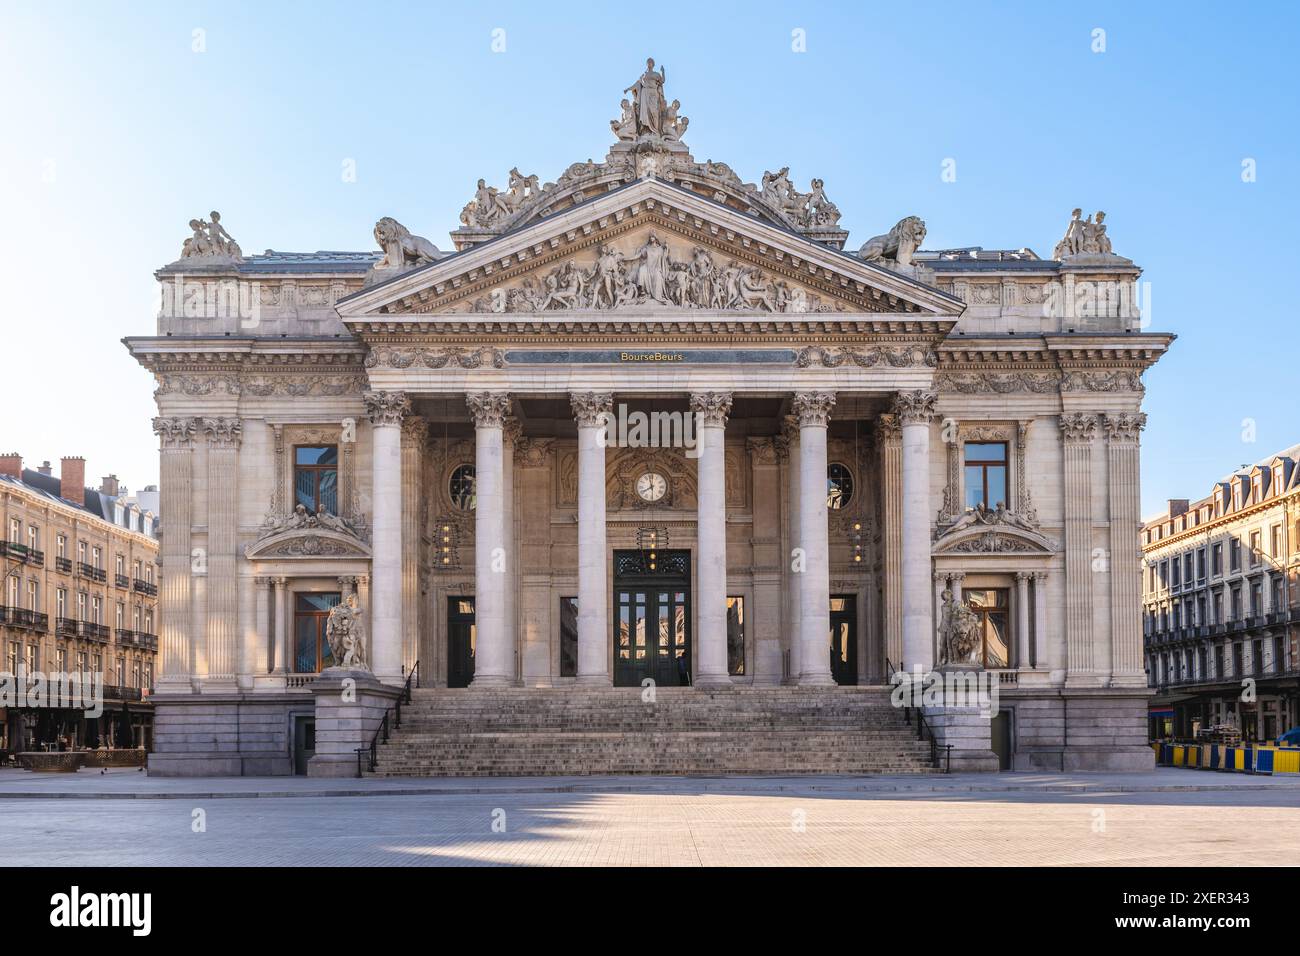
(461, 487)
(839, 486)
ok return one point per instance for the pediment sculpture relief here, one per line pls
(300, 519)
(650, 276)
(998, 530)
(490, 206)
(809, 210)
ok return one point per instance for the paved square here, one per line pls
(1153, 819)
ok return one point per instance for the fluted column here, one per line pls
(1022, 618)
(283, 617)
(1077, 433)
(891, 476)
(1040, 620)
(386, 411)
(511, 430)
(711, 410)
(493, 660)
(794, 581)
(915, 412)
(592, 410)
(176, 440)
(262, 653)
(223, 437)
(1123, 434)
(813, 410)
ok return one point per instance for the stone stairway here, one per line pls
(579, 731)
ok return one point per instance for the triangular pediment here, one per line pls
(648, 247)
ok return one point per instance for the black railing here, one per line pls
(12, 549)
(121, 581)
(137, 639)
(92, 572)
(25, 619)
(63, 564)
(145, 587)
(371, 753)
(925, 733)
(118, 692)
(66, 627)
(70, 627)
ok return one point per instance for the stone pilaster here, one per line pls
(386, 410)
(510, 433)
(259, 640)
(175, 654)
(493, 659)
(283, 616)
(1040, 620)
(764, 618)
(793, 581)
(1123, 436)
(223, 437)
(711, 410)
(592, 410)
(533, 461)
(1077, 433)
(415, 439)
(891, 476)
(813, 410)
(915, 412)
(1022, 618)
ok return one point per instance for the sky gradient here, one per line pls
(117, 131)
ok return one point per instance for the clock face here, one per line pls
(651, 487)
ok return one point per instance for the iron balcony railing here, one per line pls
(141, 639)
(92, 572)
(145, 587)
(121, 581)
(12, 549)
(86, 630)
(25, 619)
(63, 564)
(118, 692)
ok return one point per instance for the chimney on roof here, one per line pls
(72, 480)
(11, 464)
(45, 469)
(1177, 506)
(108, 486)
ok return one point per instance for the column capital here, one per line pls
(764, 451)
(957, 576)
(488, 409)
(1078, 427)
(280, 581)
(591, 409)
(941, 577)
(1040, 575)
(175, 433)
(1023, 576)
(415, 430)
(813, 408)
(511, 430)
(1124, 428)
(889, 428)
(223, 432)
(262, 581)
(712, 407)
(915, 406)
(386, 408)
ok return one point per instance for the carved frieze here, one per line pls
(900, 357)
(1001, 383)
(1123, 380)
(454, 357)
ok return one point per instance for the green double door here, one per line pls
(652, 619)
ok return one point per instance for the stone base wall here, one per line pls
(350, 705)
(967, 731)
(227, 735)
(1079, 730)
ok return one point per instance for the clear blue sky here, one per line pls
(116, 132)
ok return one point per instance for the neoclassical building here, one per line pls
(649, 421)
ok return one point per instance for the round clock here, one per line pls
(651, 487)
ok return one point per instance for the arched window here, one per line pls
(461, 488)
(839, 486)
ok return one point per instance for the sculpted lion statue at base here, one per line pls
(898, 245)
(401, 249)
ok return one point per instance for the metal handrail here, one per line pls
(924, 731)
(383, 730)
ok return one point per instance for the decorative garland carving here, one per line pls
(454, 357)
(1001, 383)
(902, 357)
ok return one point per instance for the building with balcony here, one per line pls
(1221, 610)
(78, 594)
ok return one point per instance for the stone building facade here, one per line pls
(1221, 606)
(80, 585)
(854, 432)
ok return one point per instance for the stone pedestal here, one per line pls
(349, 707)
(969, 731)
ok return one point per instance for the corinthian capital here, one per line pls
(223, 432)
(386, 408)
(813, 408)
(1124, 428)
(175, 432)
(915, 407)
(591, 408)
(712, 407)
(488, 409)
(1078, 427)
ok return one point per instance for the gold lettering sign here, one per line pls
(650, 356)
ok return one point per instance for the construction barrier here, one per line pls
(1256, 758)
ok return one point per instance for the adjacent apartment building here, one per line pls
(79, 594)
(1222, 608)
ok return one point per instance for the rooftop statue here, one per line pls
(897, 246)
(401, 249)
(490, 206)
(649, 113)
(210, 241)
(1084, 237)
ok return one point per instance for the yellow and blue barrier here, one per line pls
(1236, 758)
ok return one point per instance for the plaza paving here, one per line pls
(1168, 817)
